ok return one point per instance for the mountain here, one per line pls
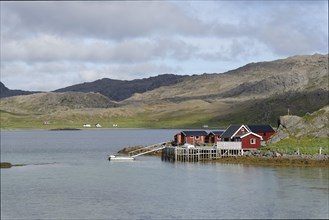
(252, 94)
(293, 74)
(119, 90)
(49, 102)
(5, 92)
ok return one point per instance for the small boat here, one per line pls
(120, 157)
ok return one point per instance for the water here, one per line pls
(68, 176)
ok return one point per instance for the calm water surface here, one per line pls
(68, 176)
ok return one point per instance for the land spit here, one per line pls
(255, 157)
(9, 165)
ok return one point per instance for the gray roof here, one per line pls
(230, 131)
(260, 128)
(195, 133)
(217, 132)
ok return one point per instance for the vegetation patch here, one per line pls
(9, 165)
(5, 165)
(304, 145)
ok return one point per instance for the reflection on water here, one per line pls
(72, 179)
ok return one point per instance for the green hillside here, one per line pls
(255, 93)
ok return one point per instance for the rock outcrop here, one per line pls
(315, 124)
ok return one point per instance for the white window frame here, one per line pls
(253, 141)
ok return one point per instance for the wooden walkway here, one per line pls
(147, 149)
(197, 154)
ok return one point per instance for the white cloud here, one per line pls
(115, 20)
(65, 43)
(48, 48)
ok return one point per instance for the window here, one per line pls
(253, 141)
(197, 137)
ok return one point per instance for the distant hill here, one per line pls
(255, 80)
(119, 90)
(253, 94)
(5, 92)
(49, 102)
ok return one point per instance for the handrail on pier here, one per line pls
(146, 152)
(153, 147)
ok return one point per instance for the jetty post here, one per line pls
(197, 154)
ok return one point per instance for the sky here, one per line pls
(50, 45)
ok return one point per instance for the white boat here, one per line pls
(119, 157)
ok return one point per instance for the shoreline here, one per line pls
(7, 165)
(272, 159)
(276, 161)
(306, 160)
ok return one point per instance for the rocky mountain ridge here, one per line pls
(294, 74)
(255, 93)
(5, 92)
(119, 90)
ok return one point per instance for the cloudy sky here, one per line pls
(51, 45)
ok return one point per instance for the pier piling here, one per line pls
(197, 154)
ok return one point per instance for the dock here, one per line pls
(197, 154)
(189, 153)
(147, 149)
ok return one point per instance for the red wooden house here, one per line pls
(250, 141)
(243, 137)
(191, 137)
(214, 136)
(266, 131)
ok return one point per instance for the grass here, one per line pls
(5, 165)
(186, 114)
(305, 145)
(9, 165)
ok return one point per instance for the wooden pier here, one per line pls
(197, 154)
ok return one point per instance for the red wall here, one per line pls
(267, 135)
(213, 138)
(246, 142)
(193, 140)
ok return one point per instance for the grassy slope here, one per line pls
(186, 114)
(305, 145)
(192, 103)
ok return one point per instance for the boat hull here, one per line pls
(120, 158)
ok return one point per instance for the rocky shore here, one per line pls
(274, 154)
(258, 157)
(278, 161)
(273, 158)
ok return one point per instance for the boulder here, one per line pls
(315, 124)
(290, 121)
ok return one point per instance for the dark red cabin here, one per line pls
(191, 137)
(214, 136)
